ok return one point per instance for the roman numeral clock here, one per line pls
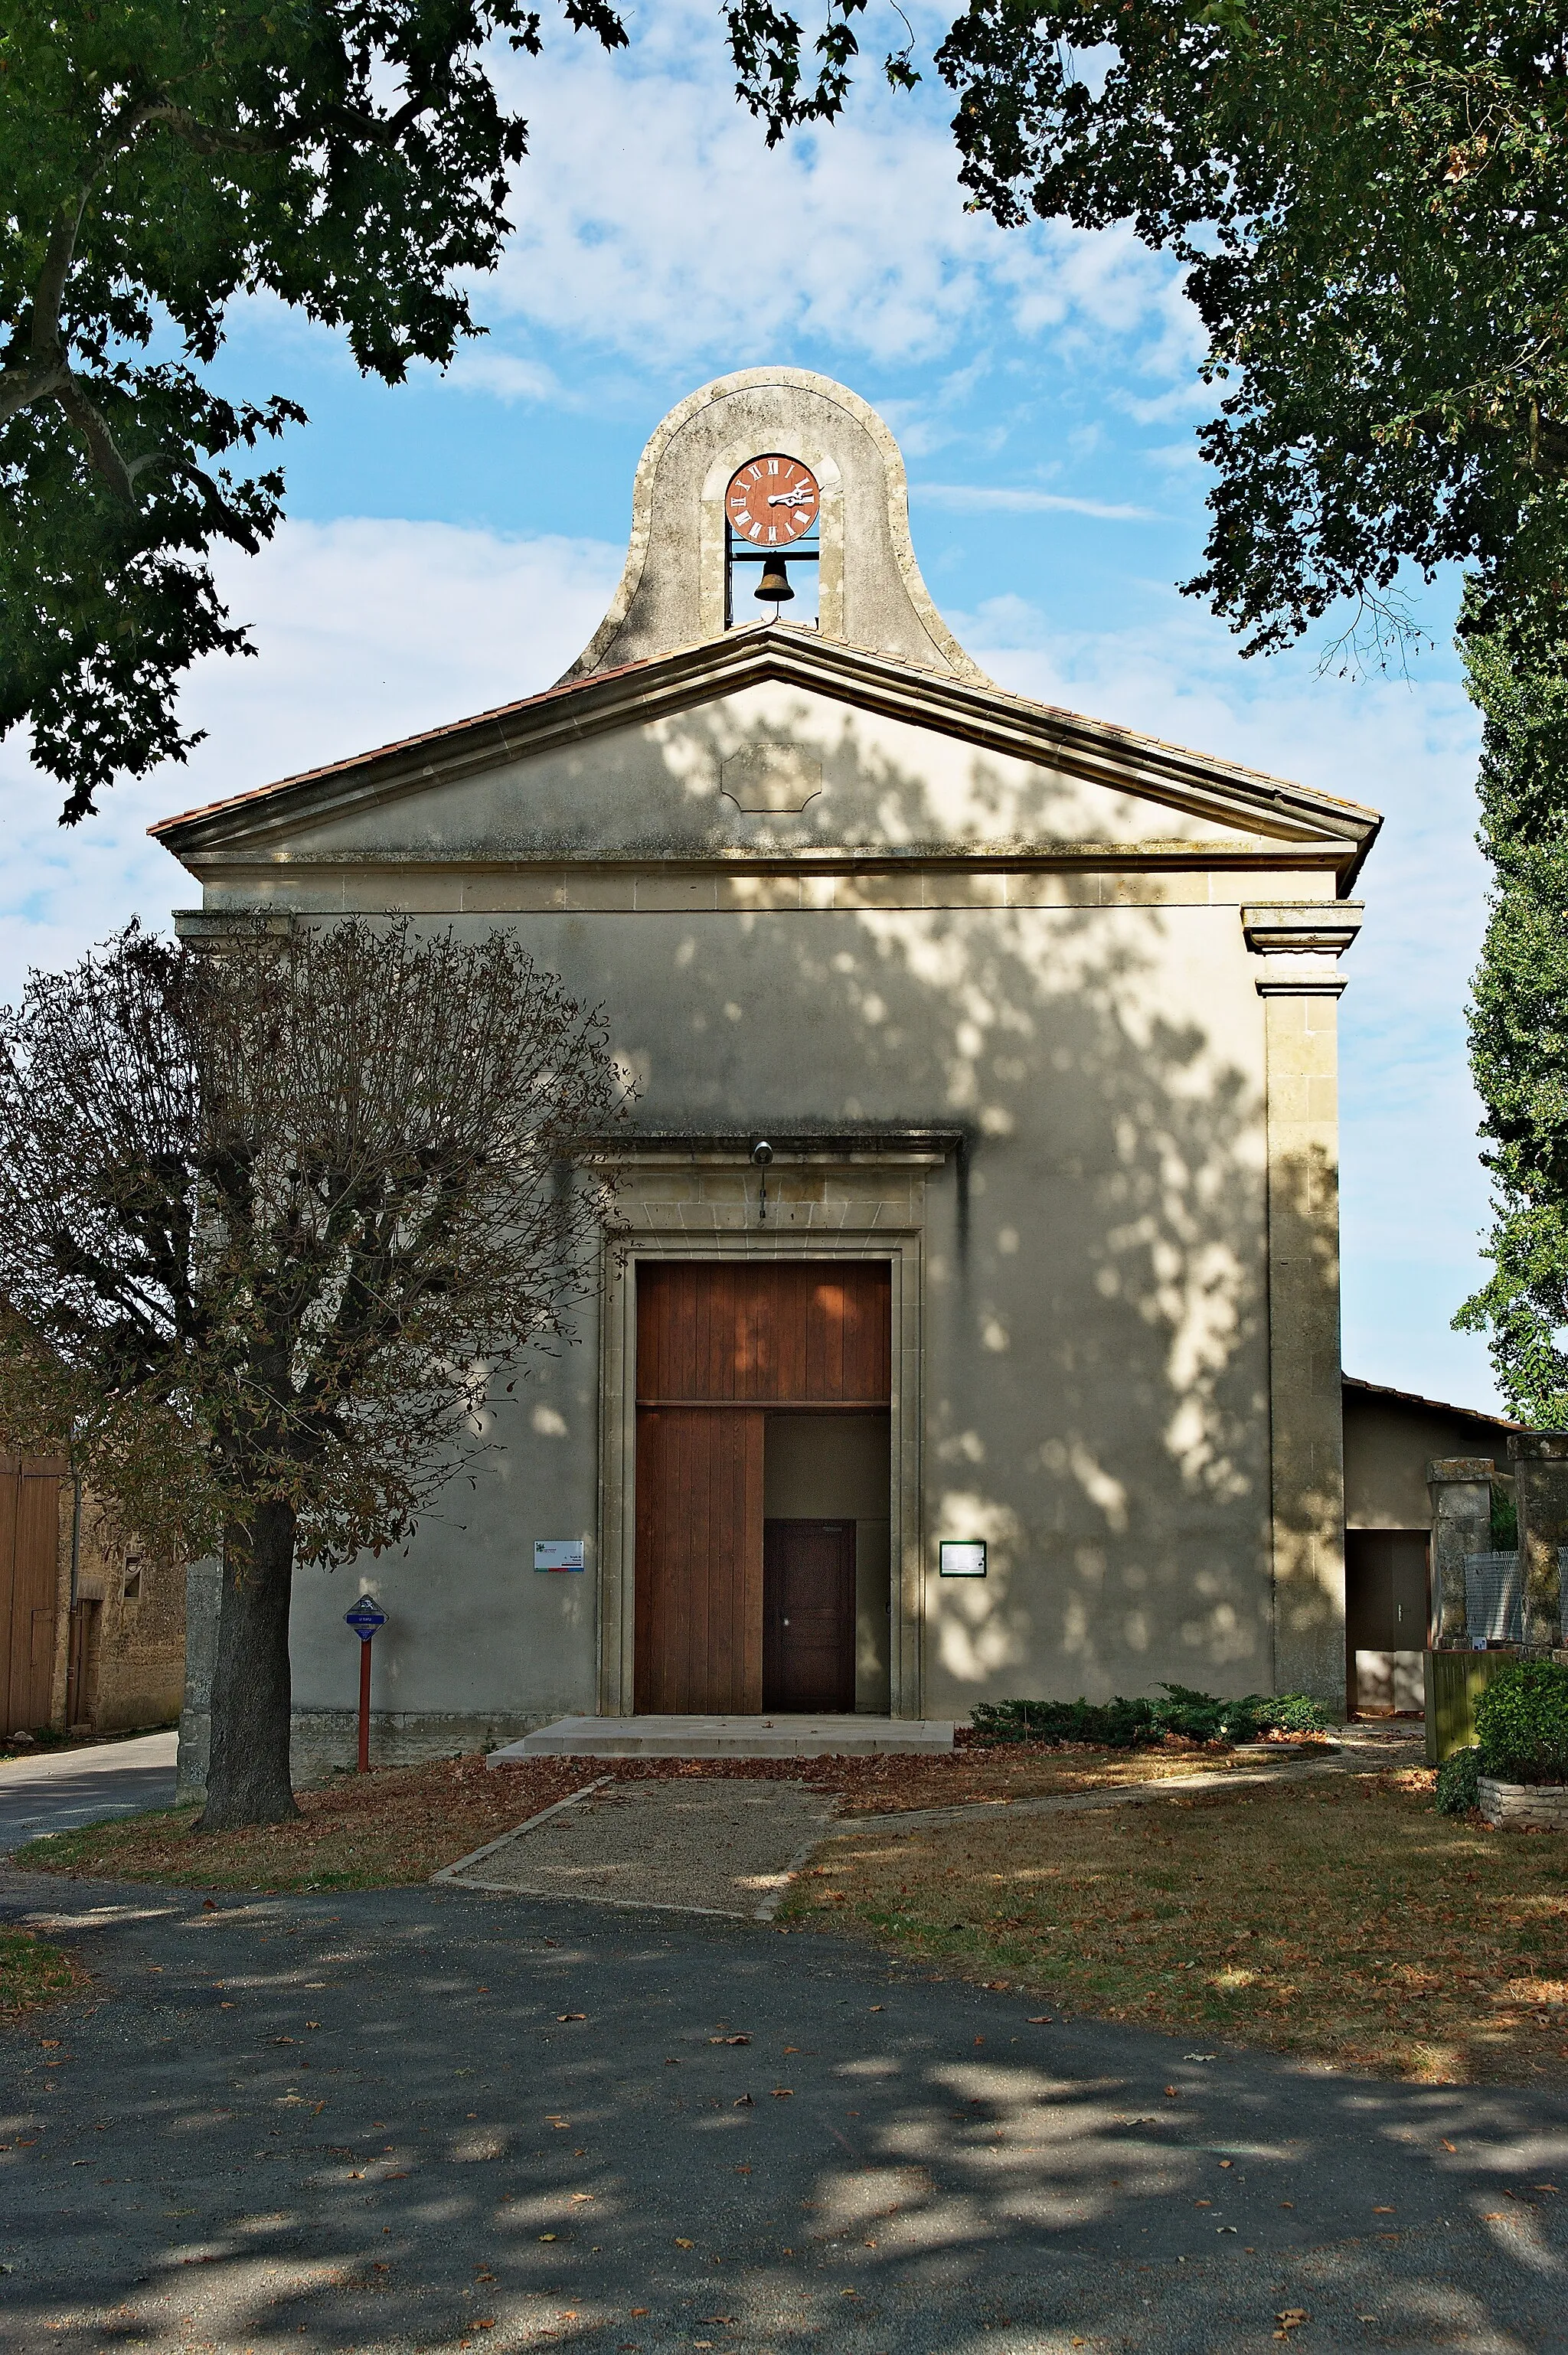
(771, 513)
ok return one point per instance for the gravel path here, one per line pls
(698, 1847)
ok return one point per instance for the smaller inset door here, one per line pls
(808, 1617)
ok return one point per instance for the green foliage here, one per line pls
(1370, 201)
(1504, 1521)
(160, 159)
(1122, 1724)
(1457, 1780)
(1521, 1723)
(1519, 1016)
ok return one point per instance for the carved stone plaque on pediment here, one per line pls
(773, 780)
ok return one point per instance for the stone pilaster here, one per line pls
(1460, 1488)
(1296, 947)
(1539, 1460)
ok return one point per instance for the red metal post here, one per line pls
(365, 1705)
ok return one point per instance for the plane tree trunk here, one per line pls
(248, 1773)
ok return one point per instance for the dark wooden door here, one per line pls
(718, 1341)
(699, 1562)
(1385, 1589)
(808, 1616)
(29, 1550)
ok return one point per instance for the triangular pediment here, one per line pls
(772, 741)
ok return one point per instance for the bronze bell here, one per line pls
(773, 586)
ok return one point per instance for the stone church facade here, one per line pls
(981, 1286)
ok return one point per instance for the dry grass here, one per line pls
(395, 1827)
(32, 1973)
(1341, 1919)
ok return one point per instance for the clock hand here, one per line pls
(790, 498)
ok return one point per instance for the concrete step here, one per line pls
(727, 1737)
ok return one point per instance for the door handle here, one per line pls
(787, 1623)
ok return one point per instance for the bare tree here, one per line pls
(274, 1217)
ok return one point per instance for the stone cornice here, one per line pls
(1305, 939)
(1117, 758)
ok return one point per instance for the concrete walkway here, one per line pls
(62, 1788)
(431, 2119)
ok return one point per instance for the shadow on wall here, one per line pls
(1096, 1402)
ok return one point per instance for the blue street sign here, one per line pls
(366, 1617)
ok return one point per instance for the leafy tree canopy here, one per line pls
(159, 158)
(275, 1216)
(1370, 198)
(1518, 1014)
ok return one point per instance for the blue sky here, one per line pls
(454, 543)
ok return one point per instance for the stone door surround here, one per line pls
(702, 1199)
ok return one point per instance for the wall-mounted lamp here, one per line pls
(762, 1154)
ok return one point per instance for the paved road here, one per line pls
(374, 2121)
(62, 1788)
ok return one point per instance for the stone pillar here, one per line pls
(1460, 1488)
(203, 1587)
(1539, 1460)
(1296, 947)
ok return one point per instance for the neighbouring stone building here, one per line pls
(979, 1332)
(91, 1625)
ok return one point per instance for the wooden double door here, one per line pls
(30, 1597)
(736, 1614)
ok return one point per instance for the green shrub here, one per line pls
(1123, 1724)
(1457, 1780)
(1521, 1723)
(1296, 1713)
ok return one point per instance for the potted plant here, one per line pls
(1521, 1731)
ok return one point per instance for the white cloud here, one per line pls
(366, 632)
(980, 498)
(651, 220)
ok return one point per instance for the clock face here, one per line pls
(772, 501)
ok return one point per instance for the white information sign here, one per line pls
(963, 1557)
(558, 1554)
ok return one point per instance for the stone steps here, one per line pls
(727, 1737)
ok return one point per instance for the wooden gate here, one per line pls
(29, 1587)
(718, 1342)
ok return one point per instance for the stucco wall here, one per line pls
(1388, 1442)
(1095, 1366)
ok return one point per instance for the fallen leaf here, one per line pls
(210, 1905)
(1382, 2211)
(879, 2007)
(682, 2244)
(1039, 2019)
(547, 2236)
(50, 2043)
(636, 2310)
(729, 2039)
(1173, 2092)
(560, 2014)
(741, 2102)
(1448, 2145)
(784, 2093)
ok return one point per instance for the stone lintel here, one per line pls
(1443, 1469)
